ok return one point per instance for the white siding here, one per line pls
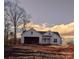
(29, 34)
(40, 40)
(55, 36)
(46, 40)
(33, 33)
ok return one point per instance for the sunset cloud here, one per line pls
(63, 28)
(66, 30)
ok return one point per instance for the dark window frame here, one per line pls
(55, 40)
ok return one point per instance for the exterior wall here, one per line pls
(45, 40)
(41, 41)
(48, 41)
(28, 34)
(54, 36)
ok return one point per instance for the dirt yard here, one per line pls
(30, 51)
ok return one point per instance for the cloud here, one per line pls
(66, 30)
(63, 28)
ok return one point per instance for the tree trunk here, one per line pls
(15, 40)
(14, 35)
(6, 38)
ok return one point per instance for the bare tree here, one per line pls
(16, 15)
(6, 32)
(7, 26)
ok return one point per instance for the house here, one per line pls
(40, 37)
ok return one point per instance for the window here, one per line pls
(55, 40)
(46, 40)
(49, 33)
(31, 32)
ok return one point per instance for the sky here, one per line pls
(59, 14)
(51, 12)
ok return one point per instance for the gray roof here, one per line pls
(42, 32)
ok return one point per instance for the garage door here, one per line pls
(31, 40)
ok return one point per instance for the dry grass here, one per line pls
(67, 50)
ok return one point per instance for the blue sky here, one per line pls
(49, 11)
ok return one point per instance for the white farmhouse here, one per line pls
(39, 37)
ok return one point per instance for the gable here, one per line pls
(48, 33)
(31, 33)
(56, 35)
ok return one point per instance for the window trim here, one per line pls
(55, 40)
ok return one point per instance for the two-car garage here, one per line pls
(31, 40)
